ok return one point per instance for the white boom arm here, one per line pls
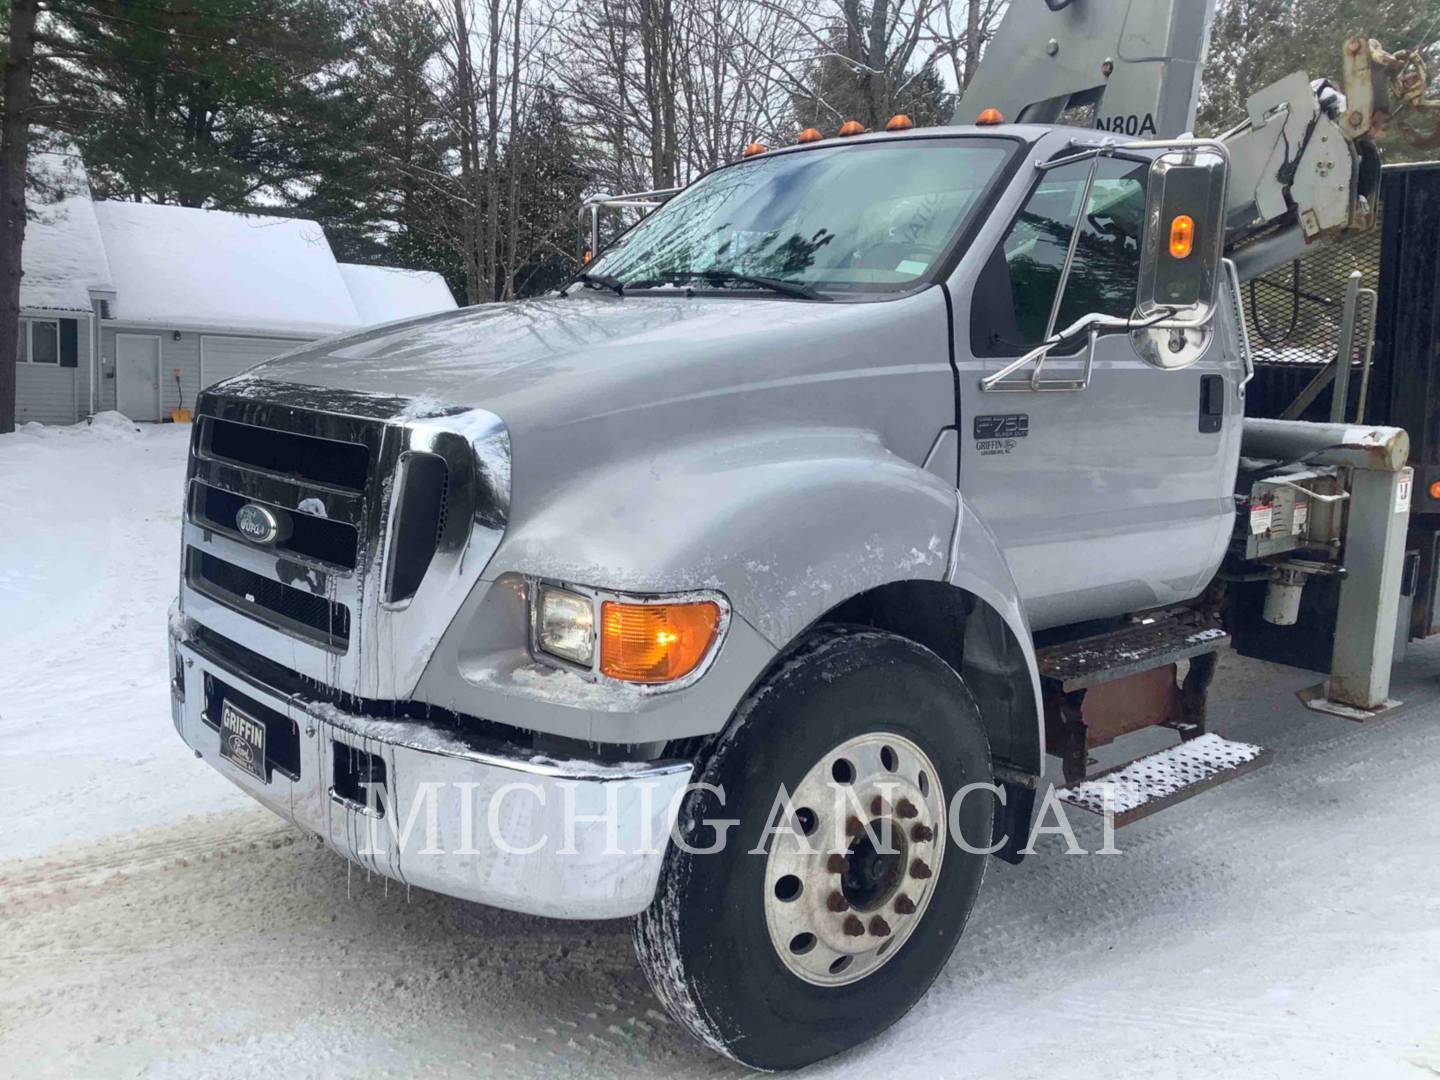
(1303, 169)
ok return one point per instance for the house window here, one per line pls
(39, 341)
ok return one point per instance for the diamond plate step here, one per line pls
(1155, 781)
(1090, 661)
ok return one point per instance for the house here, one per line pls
(136, 307)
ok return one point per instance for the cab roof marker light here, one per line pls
(851, 127)
(753, 149)
(990, 117)
(810, 135)
(899, 122)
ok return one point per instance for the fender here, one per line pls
(978, 566)
(785, 523)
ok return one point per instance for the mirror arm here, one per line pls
(1091, 324)
(1074, 245)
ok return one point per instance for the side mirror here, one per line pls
(1180, 260)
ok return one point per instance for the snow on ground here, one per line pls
(89, 561)
(153, 921)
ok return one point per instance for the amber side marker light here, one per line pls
(1435, 490)
(655, 643)
(851, 127)
(810, 135)
(1182, 236)
(754, 148)
(990, 117)
(899, 122)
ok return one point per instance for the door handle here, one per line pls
(1212, 403)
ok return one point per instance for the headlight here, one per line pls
(565, 625)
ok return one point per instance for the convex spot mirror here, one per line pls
(1180, 259)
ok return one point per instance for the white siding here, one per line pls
(45, 393)
(221, 357)
(51, 394)
(181, 352)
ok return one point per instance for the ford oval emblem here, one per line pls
(257, 524)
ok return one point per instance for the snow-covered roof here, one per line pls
(385, 293)
(180, 267)
(216, 270)
(62, 258)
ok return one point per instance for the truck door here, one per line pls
(1115, 497)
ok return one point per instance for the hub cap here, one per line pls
(849, 877)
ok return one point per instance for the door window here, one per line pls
(1106, 272)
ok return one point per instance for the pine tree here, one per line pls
(205, 102)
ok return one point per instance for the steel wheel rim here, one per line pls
(838, 908)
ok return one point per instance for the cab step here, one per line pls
(1101, 687)
(1155, 781)
(1142, 646)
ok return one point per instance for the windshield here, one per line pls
(872, 217)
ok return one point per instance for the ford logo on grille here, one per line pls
(257, 523)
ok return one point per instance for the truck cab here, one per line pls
(536, 560)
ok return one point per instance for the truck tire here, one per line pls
(777, 957)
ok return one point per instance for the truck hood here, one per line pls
(595, 388)
(557, 359)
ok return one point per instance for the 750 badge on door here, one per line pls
(999, 434)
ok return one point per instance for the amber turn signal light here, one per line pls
(989, 117)
(1182, 236)
(810, 135)
(754, 148)
(852, 127)
(1435, 490)
(899, 122)
(655, 643)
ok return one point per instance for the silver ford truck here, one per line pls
(742, 586)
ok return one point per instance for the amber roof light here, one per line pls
(754, 148)
(810, 135)
(989, 117)
(899, 122)
(852, 127)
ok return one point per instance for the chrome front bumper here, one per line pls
(566, 839)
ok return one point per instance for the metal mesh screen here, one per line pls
(1294, 315)
(1295, 318)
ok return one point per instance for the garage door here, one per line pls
(221, 357)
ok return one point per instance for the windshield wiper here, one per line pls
(777, 285)
(605, 281)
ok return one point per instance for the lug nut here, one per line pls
(904, 905)
(906, 809)
(837, 902)
(920, 869)
(853, 927)
(835, 864)
(922, 834)
(877, 806)
(879, 927)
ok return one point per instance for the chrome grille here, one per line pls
(335, 543)
(280, 605)
(368, 549)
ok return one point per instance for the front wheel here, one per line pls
(800, 936)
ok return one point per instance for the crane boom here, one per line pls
(1303, 165)
(1136, 63)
